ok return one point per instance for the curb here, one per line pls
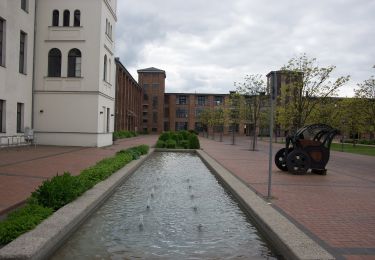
(283, 235)
(41, 242)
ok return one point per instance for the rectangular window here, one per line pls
(108, 119)
(78, 67)
(181, 113)
(181, 126)
(154, 102)
(181, 100)
(155, 86)
(2, 116)
(218, 100)
(201, 100)
(20, 113)
(24, 5)
(2, 42)
(22, 62)
(155, 117)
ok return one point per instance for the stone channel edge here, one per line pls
(284, 236)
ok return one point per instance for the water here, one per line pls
(171, 208)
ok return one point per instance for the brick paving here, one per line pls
(336, 210)
(23, 169)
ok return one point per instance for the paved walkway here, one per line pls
(336, 210)
(23, 169)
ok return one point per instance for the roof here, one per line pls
(151, 70)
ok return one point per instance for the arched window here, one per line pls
(74, 63)
(66, 18)
(110, 32)
(55, 18)
(77, 18)
(106, 26)
(54, 63)
(105, 68)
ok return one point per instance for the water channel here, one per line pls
(171, 208)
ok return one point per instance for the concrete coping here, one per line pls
(41, 242)
(284, 236)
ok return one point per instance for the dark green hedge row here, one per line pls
(180, 139)
(124, 134)
(60, 190)
(362, 141)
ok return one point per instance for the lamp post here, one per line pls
(272, 89)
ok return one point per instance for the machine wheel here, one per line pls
(280, 159)
(298, 162)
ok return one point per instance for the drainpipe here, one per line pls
(33, 75)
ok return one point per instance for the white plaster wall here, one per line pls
(72, 105)
(14, 86)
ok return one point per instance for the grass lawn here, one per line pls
(358, 149)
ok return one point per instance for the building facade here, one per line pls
(74, 91)
(16, 66)
(129, 95)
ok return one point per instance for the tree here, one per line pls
(205, 119)
(234, 112)
(365, 95)
(253, 88)
(307, 86)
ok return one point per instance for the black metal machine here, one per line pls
(307, 149)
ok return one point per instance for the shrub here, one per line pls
(184, 144)
(193, 142)
(22, 220)
(170, 143)
(165, 136)
(58, 191)
(143, 149)
(160, 144)
(193, 132)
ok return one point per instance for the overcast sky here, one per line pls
(206, 45)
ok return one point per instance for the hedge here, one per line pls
(60, 190)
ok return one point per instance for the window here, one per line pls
(2, 42)
(145, 87)
(55, 18)
(109, 70)
(181, 100)
(155, 117)
(201, 100)
(154, 102)
(218, 100)
(108, 119)
(2, 116)
(22, 61)
(105, 68)
(20, 117)
(74, 63)
(181, 113)
(181, 126)
(54, 63)
(77, 18)
(198, 111)
(155, 86)
(24, 5)
(66, 21)
(106, 26)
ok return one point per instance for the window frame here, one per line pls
(20, 117)
(25, 5)
(2, 116)
(52, 70)
(74, 63)
(77, 21)
(2, 41)
(66, 18)
(22, 53)
(55, 17)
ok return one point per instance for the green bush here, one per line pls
(165, 136)
(170, 143)
(193, 142)
(21, 221)
(61, 190)
(58, 191)
(160, 144)
(184, 144)
(123, 134)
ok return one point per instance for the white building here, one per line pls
(16, 66)
(74, 87)
(73, 79)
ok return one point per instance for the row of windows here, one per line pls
(74, 63)
(66, 18)
(22, 47)
(19, 116)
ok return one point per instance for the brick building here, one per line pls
(128, 103)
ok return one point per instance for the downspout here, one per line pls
(33, 76)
